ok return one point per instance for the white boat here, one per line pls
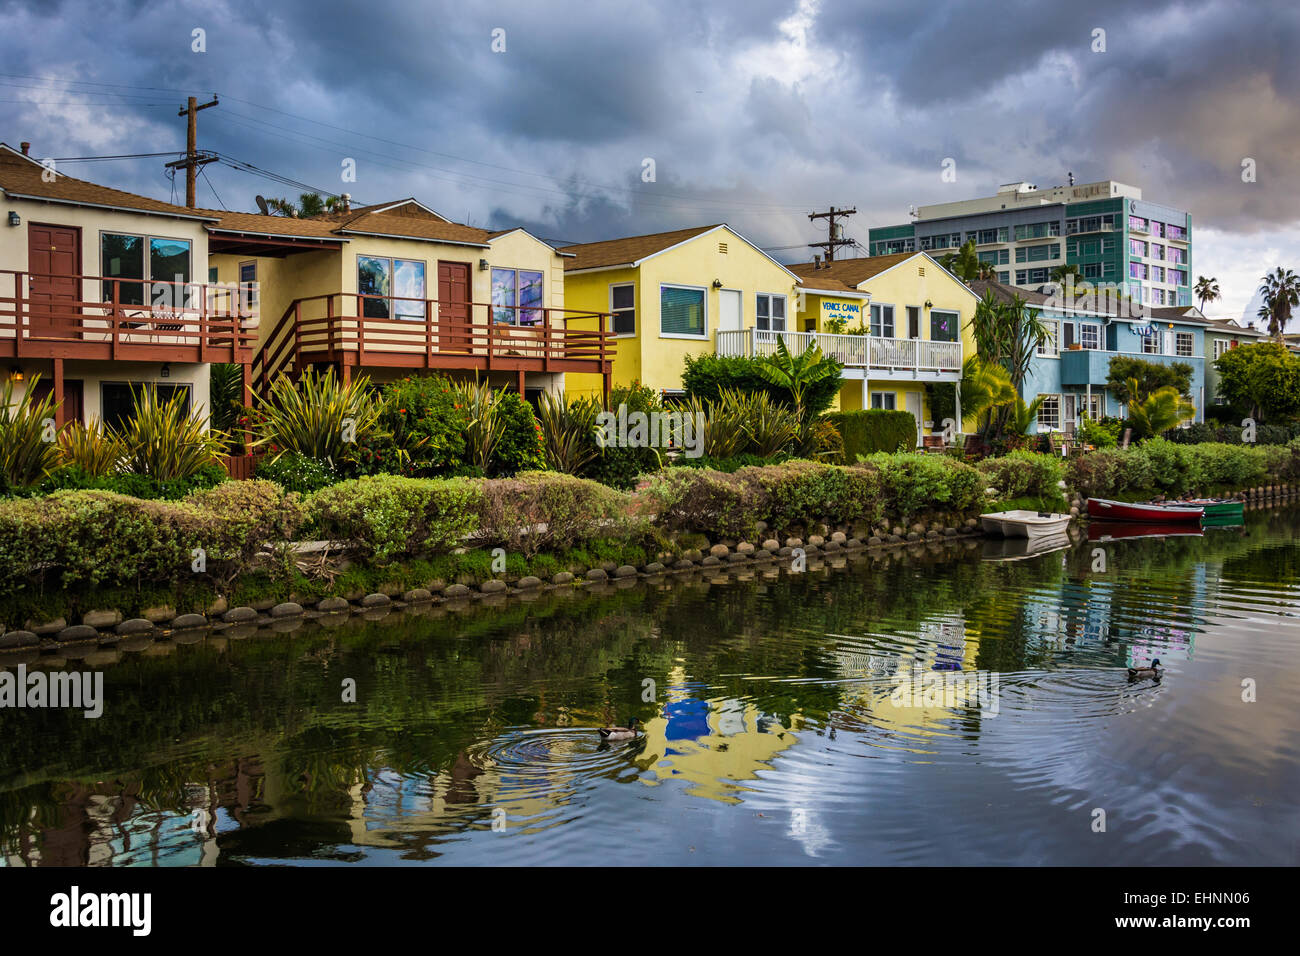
(1025, 524)
(1018, 549)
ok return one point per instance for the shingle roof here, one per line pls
(1227, 325)
(1005, 292)
(271, 225)
(433, 230)
(851, 272)
(23, 176)
(630, 249)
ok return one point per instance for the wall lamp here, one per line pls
(929, 304)
(165, 371)
(482, 265)
(15, 219)
(16, 373)
(717, 283)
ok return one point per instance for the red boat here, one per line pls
(1147, 512)
(1115, 530)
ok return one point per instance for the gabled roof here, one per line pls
(1179, 313)
(854, 272)
(409, 207)
(630, 250)
(1231, 327)
(411, 227)
(22, 177)
(818, 283)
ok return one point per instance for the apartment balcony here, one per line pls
(351, 330)
(115, 319)
(1078, 229)
(884, 358)
(1091, 366)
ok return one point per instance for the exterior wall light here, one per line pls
(15, 219)
(717, 283)
(482, 265)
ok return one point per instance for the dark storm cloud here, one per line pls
(744, 124)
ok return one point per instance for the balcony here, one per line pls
(59, 317)
(1091, 366)
(1077, 229)
(885, 358)
(351, 330)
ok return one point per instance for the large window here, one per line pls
(1151, 343)
(1184, 343)
(771, 312)
(1089, 335)
(681, 311)
(516, 297)
(1049, 413)
(124, 257)
(886, 400)
(622, 303)
(396, 285)
(882, 321)
(943, 325)
(119, 399)
(1176, 232)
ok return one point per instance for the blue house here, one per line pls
(1070, 368)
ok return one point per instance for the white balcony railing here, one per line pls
(854, 351)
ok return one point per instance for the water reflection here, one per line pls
(898, 709)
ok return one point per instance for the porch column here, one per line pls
(58, 393)
(245, 435)
(957, 395)
(866, 394)
(520, 383)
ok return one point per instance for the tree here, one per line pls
(964, 263)
(1207, 290)
(1281, 292)
(1263, 378)
(706, 377)
(1149, 376)
(798, 373)
(1067, 274)
(308, 205)
(1158, 412)
(984, 387)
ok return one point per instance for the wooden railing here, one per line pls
(855, 351)
(91, 317)
(396, 331)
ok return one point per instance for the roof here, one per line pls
(850, 272)
(1228, 325)
(23, 177)
(817, 283)
(411, 227)
(630, 250)
(409, 207)
(1186, 314)
(422, 228)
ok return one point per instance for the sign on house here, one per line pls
(850, 312)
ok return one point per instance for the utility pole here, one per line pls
(834, 233)
(193, 160)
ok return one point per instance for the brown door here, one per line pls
(53, 262)
(73, 401)
(453, 306)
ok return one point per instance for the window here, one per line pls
(681, 311)
(771, 312)
(882, 321)
(1175, 255)
(1137, 247)
(516, 297)
(1090, 335)
(622, 303)
(1157, 228)
(1038, 230)
(1221, 346)
(391, 288)
(1137, 224)
(1108, 268)
(886, 400)
(118, 400)
(1090, 406)
(988, 235)
(248, 291)
(1176, 232)
(1137, 270)
(1151, 343)
(1049, 413)
(996, 257)
(1184, 343)
(1050, 345)
(1157, 251)
(1176, 276)
(1108, 246)
(1004, 278)
(1092, 270)
(123, 257)
(943, 325)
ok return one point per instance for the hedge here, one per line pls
(1024, 474)
(1162, 466)
(705, 377)
(874, 430)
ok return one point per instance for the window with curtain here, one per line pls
(681, 311)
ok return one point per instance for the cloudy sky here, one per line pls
(754, 112)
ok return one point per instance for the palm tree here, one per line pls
(1207, 290)
(1066, 274)
(797, 373)
(964, 263)
(1160, 411)
(1281, 292)
(308, 205)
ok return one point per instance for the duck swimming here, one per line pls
(619, 733)
(1140, 673)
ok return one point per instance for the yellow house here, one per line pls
(395, 288)
(913, 317)
(674, 294)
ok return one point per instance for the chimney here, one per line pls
(26, 147)
(347, 202)
(817, 262)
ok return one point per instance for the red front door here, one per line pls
(453, 306)
(53, 263)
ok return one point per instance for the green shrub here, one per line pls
(706, 502)
(1107, 472)
(388, 517)
(243, 516)
(800, 493)
(295, 472)
(872, 430)
(571, 509)
(420, 430)
(728, 465)
(618, 465)
(519, 448)
(1024, 474)
(1173, 469)
(74, 478)
(1227, 466)
(1102, 434)
(707, 376)
(913, 484)
(26, 456)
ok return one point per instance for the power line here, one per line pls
(92, 159)
(213, 188)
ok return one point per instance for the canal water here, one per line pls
(969, 706)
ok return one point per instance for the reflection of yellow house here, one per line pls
(916, 316)
(675, 294)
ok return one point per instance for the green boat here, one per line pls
(1220, 510)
